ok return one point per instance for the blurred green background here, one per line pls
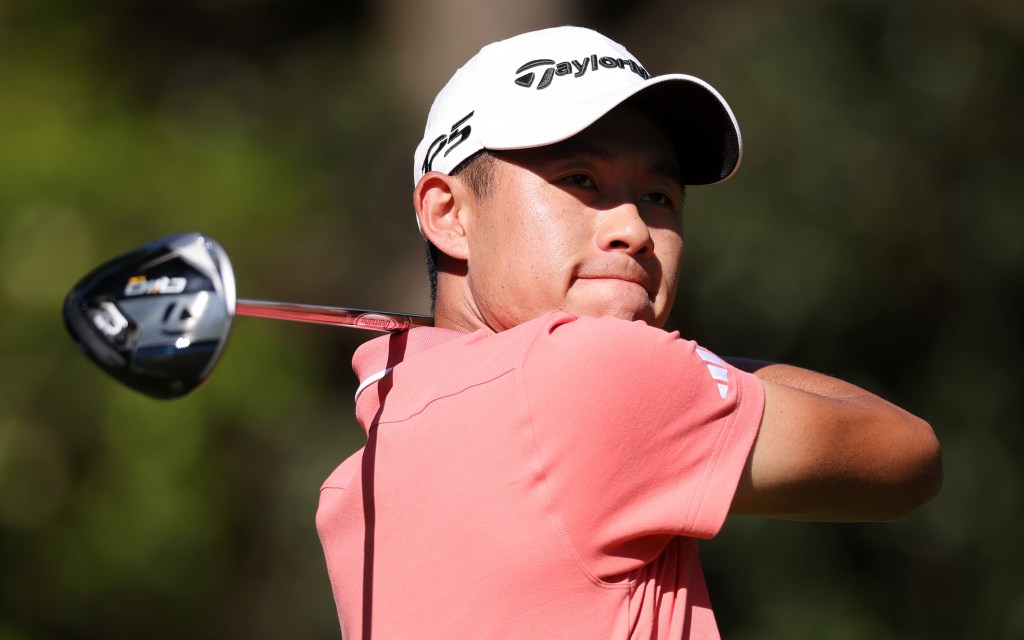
(873, 232)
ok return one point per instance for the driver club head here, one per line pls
(158, 317)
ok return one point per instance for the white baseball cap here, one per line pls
(546, 86)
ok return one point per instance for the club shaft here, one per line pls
(359, 318)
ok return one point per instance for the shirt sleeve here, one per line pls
(640, 435)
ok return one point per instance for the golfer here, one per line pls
(542, 462)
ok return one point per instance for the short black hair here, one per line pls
(477, 171)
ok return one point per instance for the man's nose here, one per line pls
(621, 228)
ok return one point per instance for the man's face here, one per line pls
(592, 225)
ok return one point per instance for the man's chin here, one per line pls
(619, 309)
(612, 297)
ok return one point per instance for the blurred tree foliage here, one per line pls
(873, 232)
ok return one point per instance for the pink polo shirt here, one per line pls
(548, 481)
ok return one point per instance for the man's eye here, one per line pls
(658, 198)
(580, 180)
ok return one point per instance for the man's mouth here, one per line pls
(632, 274)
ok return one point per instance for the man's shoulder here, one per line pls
(601, 334)
(557, 339)
(588, 351)
(567, 333)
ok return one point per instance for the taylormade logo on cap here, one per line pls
(575, 68)
(545, 86)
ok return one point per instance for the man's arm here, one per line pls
(828, 450)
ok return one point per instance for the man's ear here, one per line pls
(442, 203)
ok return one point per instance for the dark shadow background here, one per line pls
(873, 232)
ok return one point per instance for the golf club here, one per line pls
(157, 318)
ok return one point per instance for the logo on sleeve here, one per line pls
(716, 367)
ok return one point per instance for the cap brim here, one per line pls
(695, 117)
